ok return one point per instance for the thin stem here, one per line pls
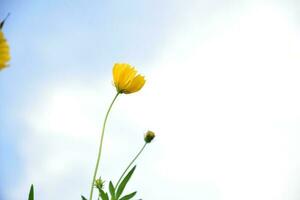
(142, 149)
(100, 147)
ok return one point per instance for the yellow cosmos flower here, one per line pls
(4, 51)
(126, 79)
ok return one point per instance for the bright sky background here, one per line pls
(222, 95)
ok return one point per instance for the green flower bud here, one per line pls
(149, 136)
(99, 183)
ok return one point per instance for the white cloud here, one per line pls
(223, 106)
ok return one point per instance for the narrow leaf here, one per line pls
(128, 196)
(3, 21)
(103, 195)
(112, 191)
(83, 198)
(31, 193)
(124, 182)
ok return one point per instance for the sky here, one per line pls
(222, 96)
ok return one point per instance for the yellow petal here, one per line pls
(4, 56)
(4, 51)
(116, 70)
(128, 77)
(117, 73)
(137, 83)
(125, 77)
(123, 74)
(2, 66)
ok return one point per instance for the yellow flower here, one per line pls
(126, 79)
(4, 51)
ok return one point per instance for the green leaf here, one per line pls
(31, 193)
(103, 195)
(112, 191)
(128, 196)
(83, 198)
(124, 182)
(3, 21)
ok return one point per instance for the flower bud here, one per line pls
(99, 183)
(149, 136)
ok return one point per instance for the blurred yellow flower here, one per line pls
(126, 79)
(4, 51)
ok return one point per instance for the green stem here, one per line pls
(100, 147)
(134, 159)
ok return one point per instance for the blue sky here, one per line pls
(221, 93)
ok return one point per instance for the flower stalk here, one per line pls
(130, 164)
(100, 147)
